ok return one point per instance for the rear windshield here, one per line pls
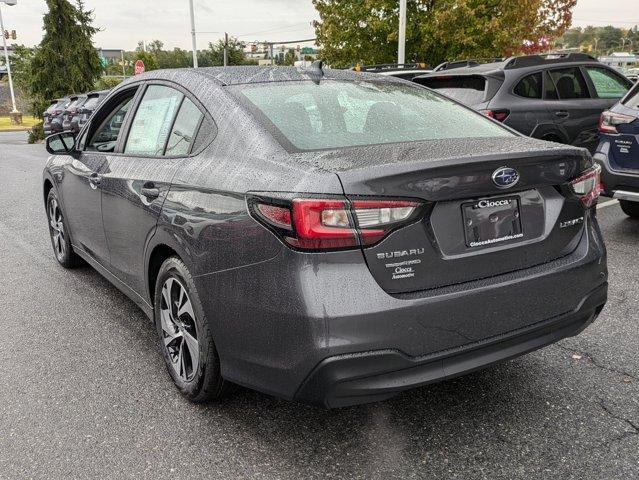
(92, 102)
(632, 101)
(338, 114)
(468, 90)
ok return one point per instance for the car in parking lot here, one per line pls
(84, 111)
(71, 110)
(618, 152)
(406, 71)
(52, 118)
(323, 235)
(554, 97)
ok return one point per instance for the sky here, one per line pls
(126, 22)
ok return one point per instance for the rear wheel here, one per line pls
(62, 248)
(630, 208)
(185, 336)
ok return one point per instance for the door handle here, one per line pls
(150, 191)
(95, 180)
(561, 113)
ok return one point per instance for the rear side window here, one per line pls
(570, 83)
(152, 122)
(633, 99)
(467, 89)
(91, 102)
(607, 84)
(337, 114)
(530, 86)
(184, 129)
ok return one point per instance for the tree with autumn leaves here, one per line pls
(366, 31)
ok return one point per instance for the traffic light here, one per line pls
(6, 34)
(13, 35)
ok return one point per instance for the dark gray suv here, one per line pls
(554, 97)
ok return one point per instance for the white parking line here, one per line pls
(609, 203)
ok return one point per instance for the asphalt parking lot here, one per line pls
(84, 392)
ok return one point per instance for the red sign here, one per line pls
(139, 67)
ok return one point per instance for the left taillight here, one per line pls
(588, 186)
(333, 224)
(609, 121)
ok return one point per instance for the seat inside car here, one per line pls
(382, 118)
(567, 87)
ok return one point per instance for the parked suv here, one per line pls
(406, 71)
(618, 152)
(53, 115)
(84, 111)
(71, 110)
(553, 97)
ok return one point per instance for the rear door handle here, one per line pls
(149, 191)
(561, 113)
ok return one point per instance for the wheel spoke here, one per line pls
(194, 350)
(187, 308)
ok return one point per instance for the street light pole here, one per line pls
(6, 56)
(401, 50)
(193, 34)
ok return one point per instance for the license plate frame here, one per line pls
(492, 221)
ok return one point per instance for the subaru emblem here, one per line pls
(505, 177)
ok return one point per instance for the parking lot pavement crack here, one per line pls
(634, 428)
(591, 359)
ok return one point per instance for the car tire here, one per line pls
(185, 335)
(630, 208)
(58, 232)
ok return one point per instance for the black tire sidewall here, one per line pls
(630, 208)
(207, 382)
(67, 260)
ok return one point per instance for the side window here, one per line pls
(105, 138)
(529, 86)
(206, 131)
(570, 83)
(184, 129)
(550, 90)
(153, 119)
(607, 84)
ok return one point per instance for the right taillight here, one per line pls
(333, 224)
(588, 186)
(609, 121)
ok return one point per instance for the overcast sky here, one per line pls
(125, 22)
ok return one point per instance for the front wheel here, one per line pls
(185, 336)
(630, 208)
(58, 231)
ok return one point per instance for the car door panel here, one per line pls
(82, 204)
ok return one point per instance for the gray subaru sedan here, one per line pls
(325, 236)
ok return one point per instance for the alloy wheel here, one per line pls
(56, 225)
(179, 329)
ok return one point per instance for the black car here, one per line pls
(618, 152)
(406, 71)
(323, 235)
(553, 97)
(53, 115)
(85, 110)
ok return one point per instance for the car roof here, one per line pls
(243, 75)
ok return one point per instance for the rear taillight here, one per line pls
(330, 224)
(588, 186)
(609, 121)
(499, 115)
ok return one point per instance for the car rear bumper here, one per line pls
(372, 376)
(309, 317)
(623, 185)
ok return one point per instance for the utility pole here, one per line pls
(401, 50)
(16, 118)
(226, 49)
(193, 34)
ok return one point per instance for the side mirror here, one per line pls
(61, 143)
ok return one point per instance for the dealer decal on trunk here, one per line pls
(403, 269)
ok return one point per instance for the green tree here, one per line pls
(65, 61)
(150, 61)
(214, 55)
(366, 31)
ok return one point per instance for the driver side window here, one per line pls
(105, 138)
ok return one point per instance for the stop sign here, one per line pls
(139, 67)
